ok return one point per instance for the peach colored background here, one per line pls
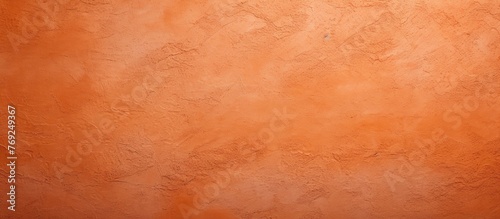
(252, 109)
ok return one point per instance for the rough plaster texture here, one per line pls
(252, 109)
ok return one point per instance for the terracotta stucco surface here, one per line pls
(252, 109)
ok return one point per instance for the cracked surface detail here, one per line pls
(252, 109)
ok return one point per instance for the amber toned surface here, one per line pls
(252, 109)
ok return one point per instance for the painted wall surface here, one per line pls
(251, 109)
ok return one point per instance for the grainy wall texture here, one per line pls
(255, 109)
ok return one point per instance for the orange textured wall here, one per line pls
(251, 109)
